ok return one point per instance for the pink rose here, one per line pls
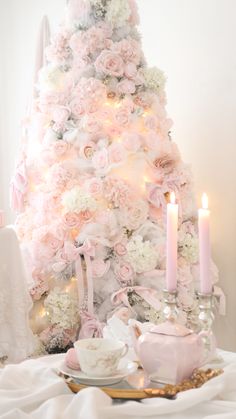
(77, 107)
(124, 274)
(92, 124)
(52, 242)
(123, 116)
(60, 114)
(110, 63)
(94, 186)
(151, 122)
(135, 215)
(60, 147)
(117, 153)
(91, 327)
(85, 216)
(129, 49)
(167, 157)
(132, 141)
(130, 71)
(100, 268)
(126, 87)
(59, 176)
(100, 159)
(120, 249)
(117, 192)
(87, 150)
(71, 219)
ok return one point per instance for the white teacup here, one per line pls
(99, 357)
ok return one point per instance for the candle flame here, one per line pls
(172, 198)
(204, 201)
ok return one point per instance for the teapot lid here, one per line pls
(171, 328)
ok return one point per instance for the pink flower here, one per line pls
(60, 114)
(124, 274)
(132, 141)
(60, 147)
(58, 50)
(117, 153)
(134, 214)
(117, 191)
(120, 249)
(100, 159)
(167, 157)
(155, 195)
(87, 150)
(94, 186)
(129, 49)
(92, 124)
(85, 216)
(77, 107)
(151, 122)
(130, 71)
(100, 268)
(126, 87)
(91, 327)
(52, 242)
(59, 176)
(71, 219)
(122, 116)
(110, 63)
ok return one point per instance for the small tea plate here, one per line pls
(82, 378)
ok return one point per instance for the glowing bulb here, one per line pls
(204, 201)
(172, 198)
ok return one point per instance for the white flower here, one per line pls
(154, 79)
(76, 200)
(141, 254)
(62, 309)
(118, 12)
(51, 78)
(188, 247)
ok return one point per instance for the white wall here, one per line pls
(194, 42)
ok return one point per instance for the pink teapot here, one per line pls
(168, 352)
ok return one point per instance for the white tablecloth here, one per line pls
(32, 390)
(16, 338)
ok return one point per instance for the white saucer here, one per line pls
(82, 378)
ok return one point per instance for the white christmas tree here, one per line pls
(97, 171)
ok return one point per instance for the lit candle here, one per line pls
(171, 244)
(204, 246)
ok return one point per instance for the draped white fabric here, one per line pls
(32, 390)
(16, 339)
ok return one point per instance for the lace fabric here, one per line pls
(17, 341)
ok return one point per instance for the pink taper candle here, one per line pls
(171, 244)
(204, 246)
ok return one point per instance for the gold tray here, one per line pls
(198, 378)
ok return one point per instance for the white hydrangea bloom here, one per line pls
(62, 308)
(76, 200)
(154, 79)
(51, 78)
(142, 255)
(188, 247)
(118, 12)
